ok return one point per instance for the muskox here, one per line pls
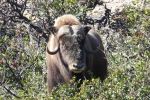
(74, 49)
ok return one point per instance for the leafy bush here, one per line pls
(23, 69)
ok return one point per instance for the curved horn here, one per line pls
(53, 45)
(52, 52)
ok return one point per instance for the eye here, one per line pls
(67, 41)
(65, 38)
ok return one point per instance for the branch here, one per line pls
(15, 77)
(16, 15)
(9, 91)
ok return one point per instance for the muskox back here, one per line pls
(74, 49)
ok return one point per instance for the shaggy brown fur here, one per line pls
(58, 62)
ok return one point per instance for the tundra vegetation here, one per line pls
(24, 28)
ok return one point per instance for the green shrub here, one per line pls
(23, 69)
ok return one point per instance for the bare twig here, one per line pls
(17, 11)
(17, 79)
(9, 91)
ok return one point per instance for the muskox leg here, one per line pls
(51, 79)
(54, 78)
(57, 75)
(100, 64)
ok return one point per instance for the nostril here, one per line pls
(74, 65)
(79, 66)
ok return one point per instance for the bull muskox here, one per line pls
(74, 49)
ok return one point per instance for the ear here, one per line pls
(87, 29)
(52, 45)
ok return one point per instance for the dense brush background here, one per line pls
(22, 53)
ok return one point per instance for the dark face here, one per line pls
(72, 47)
